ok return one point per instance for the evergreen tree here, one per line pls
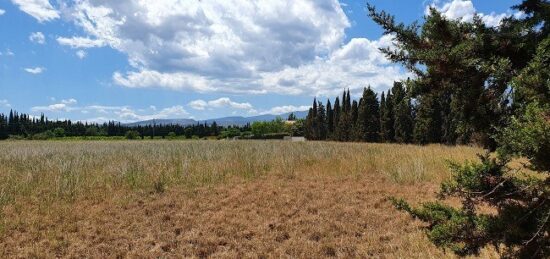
(388, 119)
(343, 131)
(369, 115)
(428, 121)
(321, 122)
(330, 119)
(471, 69)
(382, 110)
(403, 122)
(336, 121)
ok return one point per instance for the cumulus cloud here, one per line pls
(106, 112)
(354, 65)
(223, 102)
(465, 11)
(80, 42)
(35, 70)
(37, 37)
(41, 10)
(247, 47)
(2, 12)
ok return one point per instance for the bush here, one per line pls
(172, 135)
(48, 134)
(132, 134)
(59, 132)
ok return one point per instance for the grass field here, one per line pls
(217, 198)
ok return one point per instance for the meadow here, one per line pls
(217, 198)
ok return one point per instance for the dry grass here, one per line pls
(216, 198)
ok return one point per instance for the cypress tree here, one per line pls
(403, 123)
(382, 110)
(369, 115)
(428, 122)
(321, 122)
(354, 131)
(388, 119)
(336, 120)
(330, 119)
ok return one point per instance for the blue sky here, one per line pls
(126, 60)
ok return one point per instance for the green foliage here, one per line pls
(132, 134)
(528, 135)
(291, 117)
(59, 132)
(229, 133)
(470, 73)
(48, 134)
(261, 128)
(172, 135)
(369, 116)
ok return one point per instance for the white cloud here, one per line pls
(2, 12)
(51, 108)
(465, 11)
(223, 102)
(35, 70)
(37, 37)
(5, 104)
(69, 101)
(117, 113)
(198, 104)
(41, 10)
(245, 47)
(174, 81)
(354, 65)
(129, 115)
(286, 109)
(80, 42)
(81, 54)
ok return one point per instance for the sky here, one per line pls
(131, 60)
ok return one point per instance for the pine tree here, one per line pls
(388, 119)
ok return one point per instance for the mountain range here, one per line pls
(223, 121)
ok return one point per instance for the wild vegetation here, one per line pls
(491, 86)
(218, 198)
(17, 126)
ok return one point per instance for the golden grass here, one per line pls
(216, 198)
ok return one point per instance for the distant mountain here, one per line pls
(224, 121)
(163, 122)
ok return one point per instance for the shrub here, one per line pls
(132, 134)
(172, 135)
(59, 132)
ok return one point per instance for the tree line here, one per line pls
(395, 116)
(25, 126)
